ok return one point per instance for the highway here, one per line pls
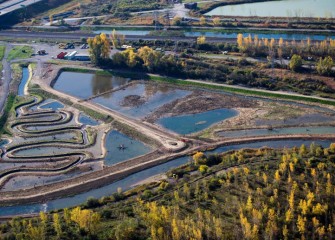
(13, 5)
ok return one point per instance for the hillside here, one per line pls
(252, 194)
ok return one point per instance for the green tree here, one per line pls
(324, 66)
(295, 63)
(126, 229)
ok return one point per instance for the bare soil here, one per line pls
(133, 101)
(200, 101)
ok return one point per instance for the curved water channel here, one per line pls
(131, 180)
(133, 147)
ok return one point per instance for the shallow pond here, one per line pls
(121, 147)
(43, 151)
(86, 120)
(52, 105)
(154, 96)
(127, 182)
(24, 79)
(84, 85)
(187, 124)
(284, 8)
(305, 119)
(278, 131)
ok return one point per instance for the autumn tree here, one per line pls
(216, 21)
(99, 48)
(202, 20)
(57, 224)
(201, 40)
(116, 39)
(150, 57)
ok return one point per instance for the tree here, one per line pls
(203, 169)
(126, 229)
(198, 156)
(57, 225)
(116, 39)
(99, 48)
(201, 40)
(150, 57)
(324, 66)
(295, 63)
(51, 19)
(216, 21)
(176, 21)
(202, 20)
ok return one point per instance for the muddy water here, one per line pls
(121, 147)
(187, 124)
(127, 182)
(43, 151)
(84, 85)
(154, 96)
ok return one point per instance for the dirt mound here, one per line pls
(132, 101)
(200, 101)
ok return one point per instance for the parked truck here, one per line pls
(61, 55)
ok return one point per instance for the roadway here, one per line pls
(13, 5)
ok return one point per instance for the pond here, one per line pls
(278, 131)
(24, 79)
(150, 96)
(121, 147)
(42, 151)
(84, 85)
(191, 123)
(127, 182)
(284, 8)
(52, 105)
(86, 120)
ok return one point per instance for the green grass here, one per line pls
(7, 109)
(2, 52)
(242, 91)
(20, 52)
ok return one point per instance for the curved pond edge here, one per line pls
(125, 184)
(113, 173)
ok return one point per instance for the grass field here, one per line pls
(20, 52)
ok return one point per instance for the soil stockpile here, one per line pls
(201, 101)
